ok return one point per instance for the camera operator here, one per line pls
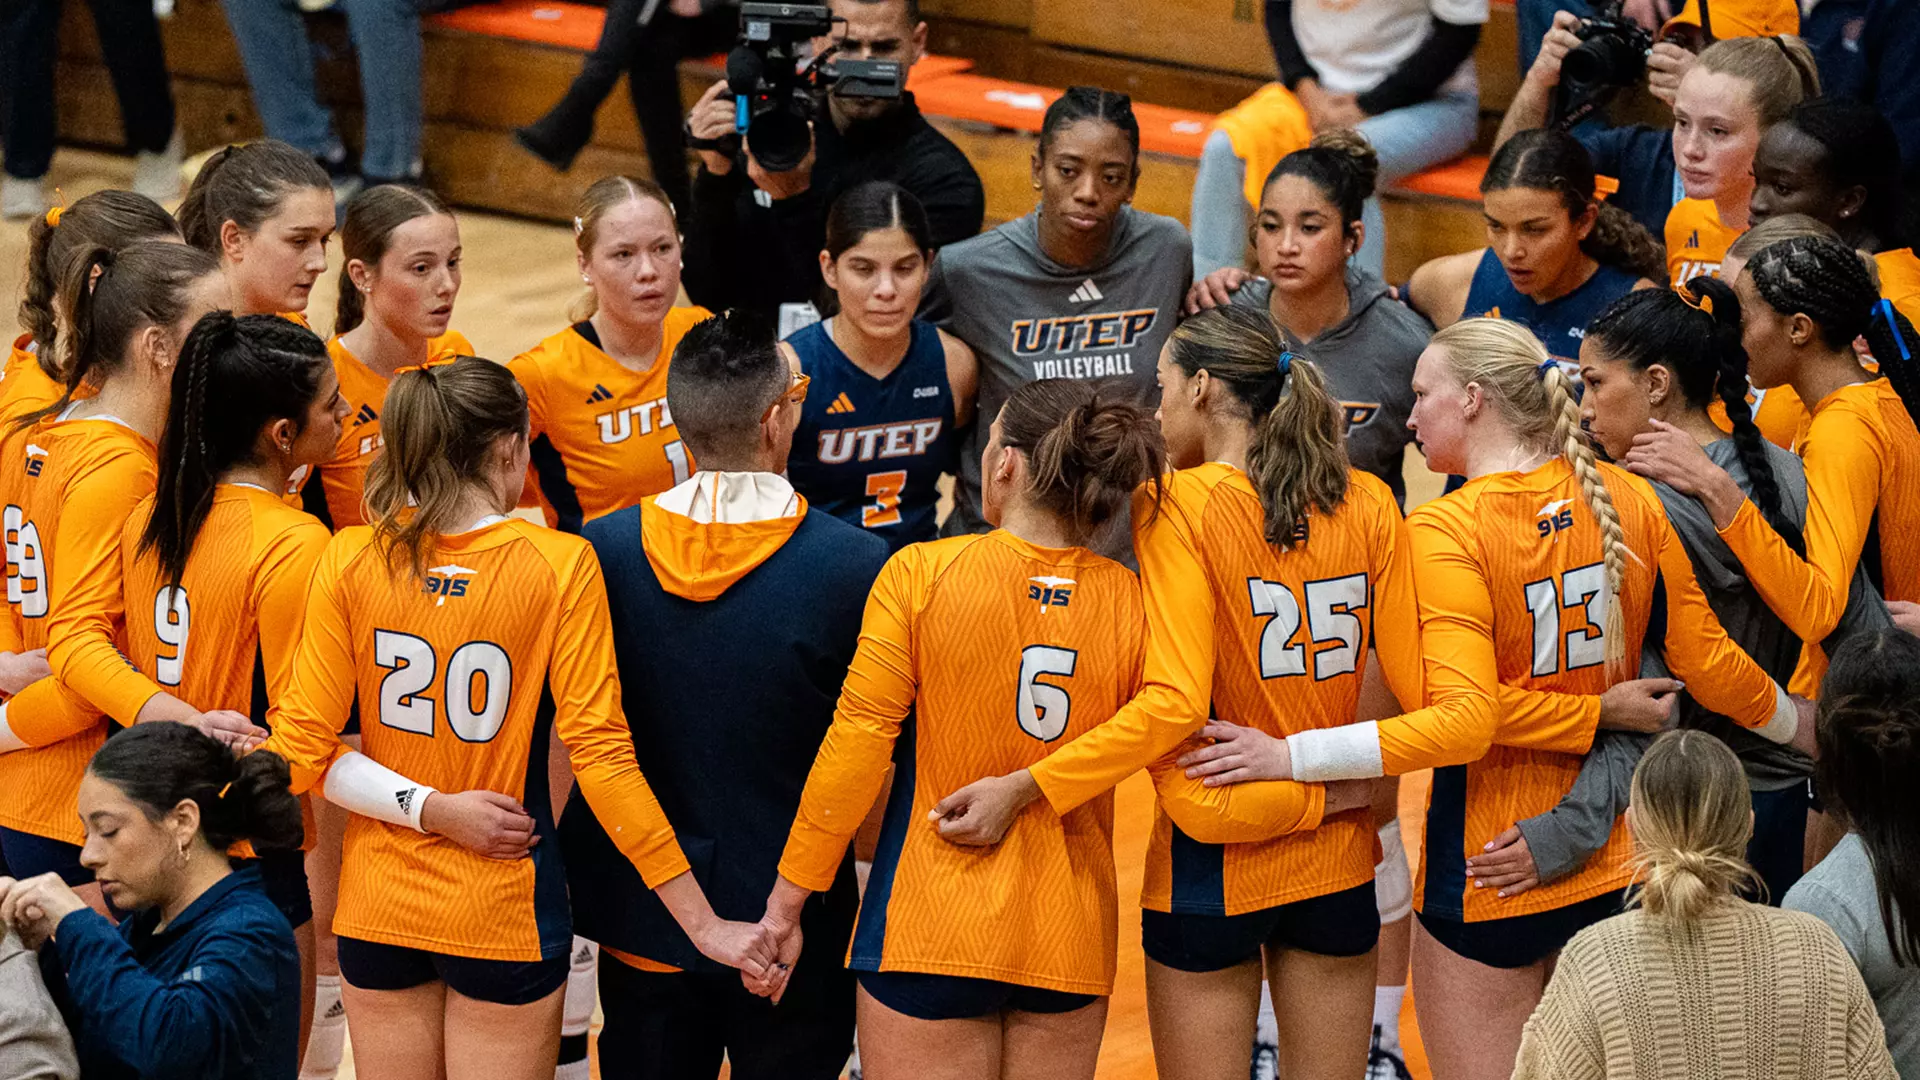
(1638, 156)
(755, 236)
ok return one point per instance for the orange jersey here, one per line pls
(69, 487)
(458, 682)
(977, 653)
(24, 385)
(1900, 281)
(1862, 455)
(602, 436)
(1696, 240)
(364, 390)
(1513, 591)
(1779, 414)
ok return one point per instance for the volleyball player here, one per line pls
(890, 392)
(977, 653)
(603, 437)
(266, 211)
(70, 474)
(455, 624)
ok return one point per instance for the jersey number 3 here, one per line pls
(478, 682)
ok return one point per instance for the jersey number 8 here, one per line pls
(1331, 607)
(413, 666)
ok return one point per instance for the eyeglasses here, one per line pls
(796, 394)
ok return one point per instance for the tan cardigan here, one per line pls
(1746, 993)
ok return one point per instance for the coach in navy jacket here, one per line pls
(736, 611)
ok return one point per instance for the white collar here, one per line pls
(731, 498)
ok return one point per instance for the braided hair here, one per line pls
(265, 368)
(1092, 103)
(1826, 281)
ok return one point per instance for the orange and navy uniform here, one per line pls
(1513, 592)
(69, 487)
(1697, 242)
(462, 678)
(344, 477)
(977, 653)
(603, 438)
(1862, 456)
(1900, 281)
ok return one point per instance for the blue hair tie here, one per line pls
(1545, 366)
(1285, 364)
(1885, 311)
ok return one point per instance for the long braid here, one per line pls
(1572, 445)
(1827, 281)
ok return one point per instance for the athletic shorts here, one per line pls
(955, 997)
(28, 855)
(368, 965)
(1522, 940)
(1344, 923)
(283, 874)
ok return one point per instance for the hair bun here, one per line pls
(1356, 152)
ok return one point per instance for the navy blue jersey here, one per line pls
(1559, 324)
(870, 451)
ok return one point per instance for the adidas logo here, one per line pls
(841, 404)
(366, 415)
(584, 956)
(1087, 293)
(336, 1011)
(1693, 239)
(405, 799)
(600, 394)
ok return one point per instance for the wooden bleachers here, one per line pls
(491, 68)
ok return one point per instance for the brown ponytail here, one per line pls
(112, 219)
(1087, 449)
(1692, 815)
(440, 423)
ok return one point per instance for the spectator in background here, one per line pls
(136, 62)
(1868, 888)
(202, 979)
(279, 63)
(1084, 287)
(1885, 71)
(754, 237)
(34, 1043)
(1697, 982)
(1399, 71)
(646, 39)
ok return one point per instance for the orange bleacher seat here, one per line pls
(1457, 179)
(1021, 106)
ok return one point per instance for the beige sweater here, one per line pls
(1747, 993)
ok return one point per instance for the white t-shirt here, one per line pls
(1354, 44)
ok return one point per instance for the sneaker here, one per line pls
(341, 174)
(23, 198)
(1383, 1063)
(1266, 1062)
(156, 174)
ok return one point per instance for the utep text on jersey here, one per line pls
(1047, 343)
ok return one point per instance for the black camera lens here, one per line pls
(1607, 57)
(779, 139)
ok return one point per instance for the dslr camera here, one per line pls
(777, 91)
(1612, 55)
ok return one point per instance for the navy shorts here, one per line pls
(368, 965)
(283, 874)
(1523, 940)
(1344, 923)
(955, 997)
(28, 856)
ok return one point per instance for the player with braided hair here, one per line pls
(1803, 302)
(1539, 579)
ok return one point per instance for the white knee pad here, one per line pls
(578, 1014)
(329, 1038)
(1392, 880)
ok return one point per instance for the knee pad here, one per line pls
(1392, 879)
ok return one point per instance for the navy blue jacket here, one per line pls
(214, 995)
(728, 699)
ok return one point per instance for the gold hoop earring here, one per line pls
(184, 857)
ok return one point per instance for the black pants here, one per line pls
(130, 43)
(677, 1026)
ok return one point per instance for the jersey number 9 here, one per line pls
(476, 707)
(172, 619)
(26, 566)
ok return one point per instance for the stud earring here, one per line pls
(586, 279)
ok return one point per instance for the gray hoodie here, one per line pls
(1368, 360)
(1562, 839)
(34, 1044)
(1029, 318)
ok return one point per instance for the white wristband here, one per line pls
(359, 784)
(9, 742)
(1785, 722)
(1347, 752)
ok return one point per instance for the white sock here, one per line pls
(577, 1012)
(1386, 1016)
(1266, 1031)
(329, 1038)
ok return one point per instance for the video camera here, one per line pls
(776, 95)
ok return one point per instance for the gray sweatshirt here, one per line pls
(1841, 893)
(1562, 839)
(34, 1044)
(1029, 318)
(1368, 360)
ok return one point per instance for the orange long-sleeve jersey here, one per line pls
(1862, 455)
(344, 477)
(24, 385)
(603, 438)
(458, 681)
(68, 486)
(976, 654)
(1513, 592)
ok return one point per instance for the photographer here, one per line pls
(755, 236)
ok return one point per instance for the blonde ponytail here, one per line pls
(1570, 441)
(1692, 817)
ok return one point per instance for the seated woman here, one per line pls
(1694, 981)
(202, 980)
(1556, 253)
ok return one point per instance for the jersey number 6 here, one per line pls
(412, 666)
(1331, 609)
(1044, 707)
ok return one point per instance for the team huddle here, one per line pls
(615, 655)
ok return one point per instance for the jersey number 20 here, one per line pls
(1331, 607)
(476, 707)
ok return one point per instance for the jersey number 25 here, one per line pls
(1331, 608)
